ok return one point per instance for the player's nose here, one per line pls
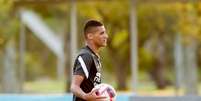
(106, 36)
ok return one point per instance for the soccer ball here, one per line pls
(106, 90)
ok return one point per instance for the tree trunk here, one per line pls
(190, 68)
(67, 65)
(158, 73)
(1, 66)
(120, 73)
(120, 69)
(10, 78)
(179, 63)
(73, 42)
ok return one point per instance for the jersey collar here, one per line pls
(91, 51)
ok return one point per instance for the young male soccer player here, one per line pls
(86, 71)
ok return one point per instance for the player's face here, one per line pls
(100, 37)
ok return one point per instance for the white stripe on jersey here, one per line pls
(83, 66)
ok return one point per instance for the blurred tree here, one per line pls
(157, 25)
(115, 18)
(8, 32)
(188, 25)
(156, 29)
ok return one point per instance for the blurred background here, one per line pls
(154, 46)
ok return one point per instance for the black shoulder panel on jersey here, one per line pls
(83, 63)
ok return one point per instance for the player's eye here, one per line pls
(101, 33)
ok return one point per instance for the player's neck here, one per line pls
(94, 48)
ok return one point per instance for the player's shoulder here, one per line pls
(85, 53)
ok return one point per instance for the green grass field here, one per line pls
(51, 86)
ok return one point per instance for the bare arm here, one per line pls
(75, 86)
(77, 91)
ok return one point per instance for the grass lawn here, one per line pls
(51, 86)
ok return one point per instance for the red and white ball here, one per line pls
(106, 90)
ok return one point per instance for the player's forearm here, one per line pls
(77, 91)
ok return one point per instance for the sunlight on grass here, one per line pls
(49, 86)
(144, 88)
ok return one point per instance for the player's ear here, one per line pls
(90, 35)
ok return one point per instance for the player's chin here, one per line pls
(104, 45)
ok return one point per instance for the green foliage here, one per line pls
(8, 24)
(146, 59)
(119, 38)
(188, 23)
(88, 10)
(157, 23)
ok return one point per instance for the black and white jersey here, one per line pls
(87, 64)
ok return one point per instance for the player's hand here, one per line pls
(91, 96)
(112, 99)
